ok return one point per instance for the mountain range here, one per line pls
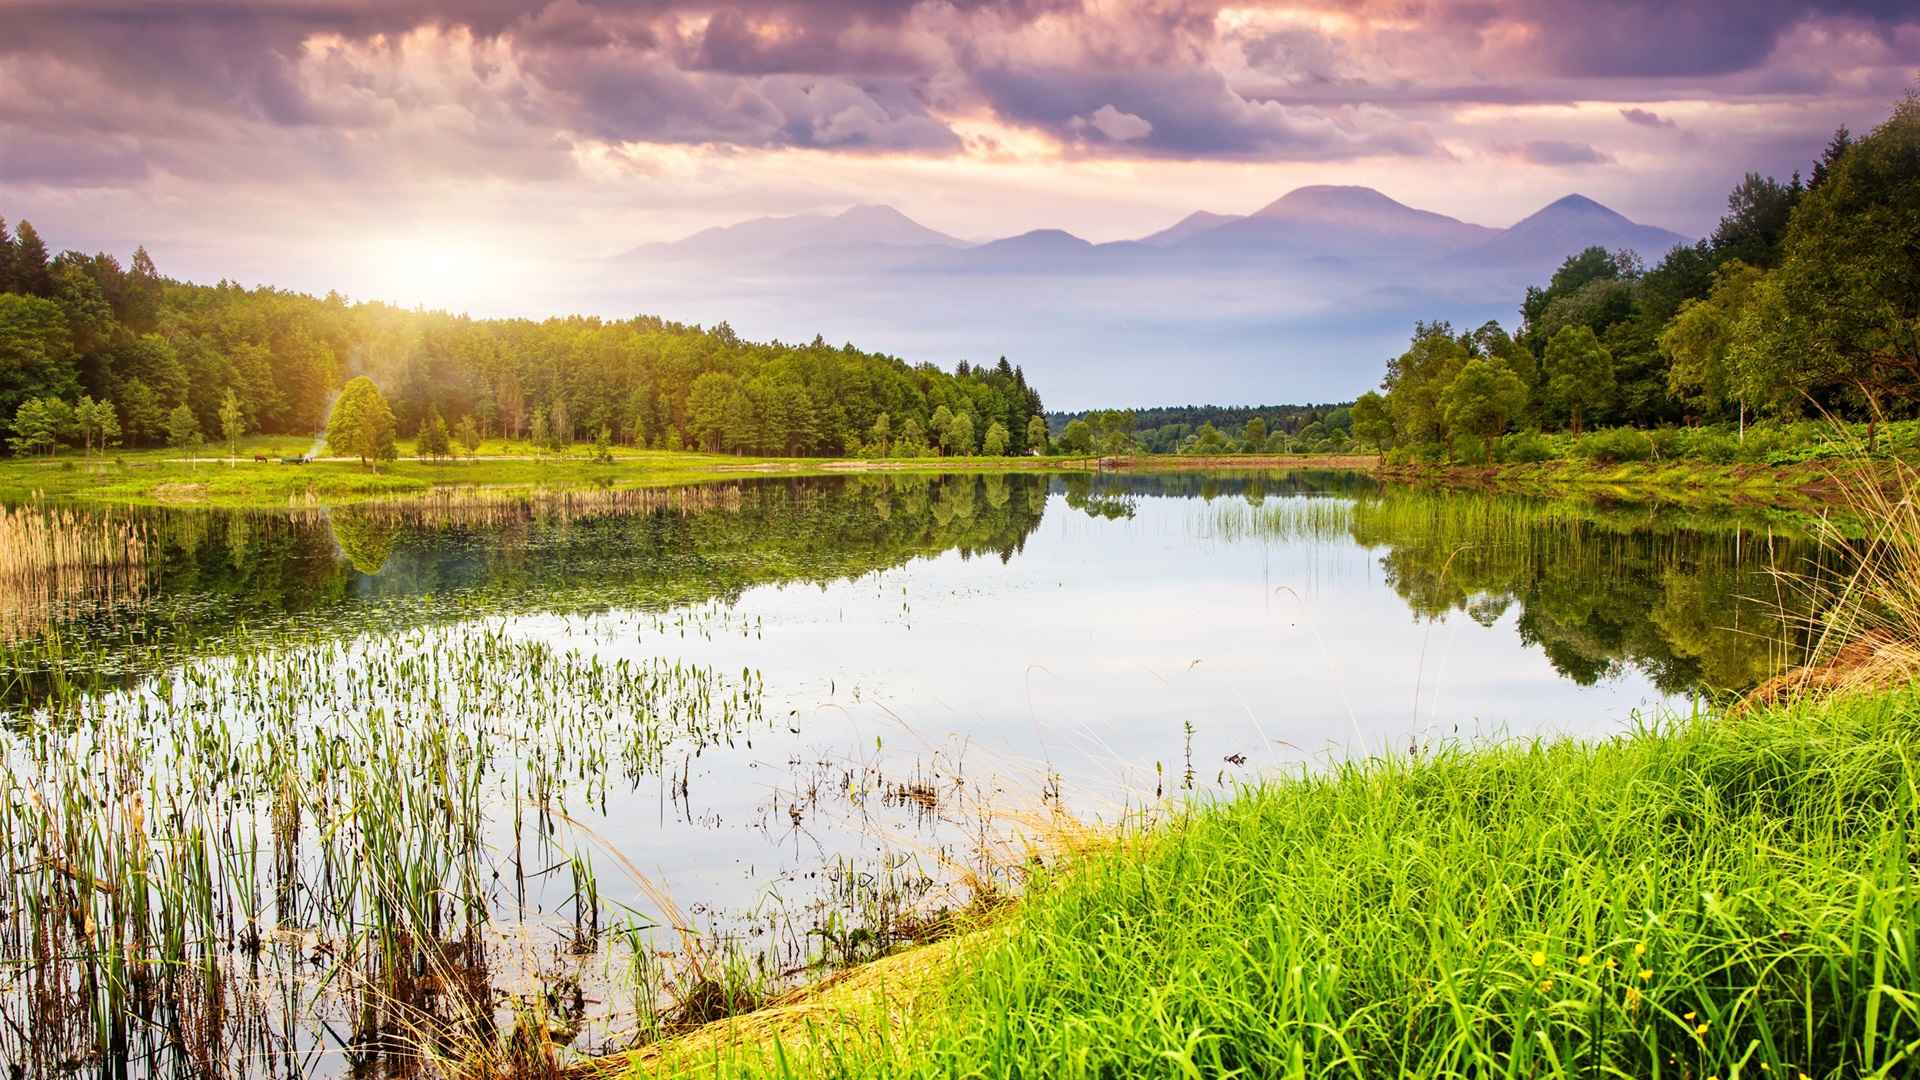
(1301, 300)
(1320, 223)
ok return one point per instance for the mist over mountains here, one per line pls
(1301, 300)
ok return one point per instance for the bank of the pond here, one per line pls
(268, 473)
(1682, 481)
(1707, 896)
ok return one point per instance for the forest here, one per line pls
(1205, 429)
(94, 354)
(1804, 302)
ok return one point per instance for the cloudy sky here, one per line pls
(448, 152)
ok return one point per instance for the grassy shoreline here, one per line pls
(164, 477)
(1725, 894)
(1802, 485)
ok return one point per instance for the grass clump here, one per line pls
(1716, 896)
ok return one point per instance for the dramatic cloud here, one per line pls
(610, 122)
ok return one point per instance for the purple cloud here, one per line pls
(1646, 118)
(1556, 152)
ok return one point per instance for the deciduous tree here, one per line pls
(1579, 372)
(1482, 400)
(362, 425)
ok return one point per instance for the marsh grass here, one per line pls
(199, 871)
(53, 559)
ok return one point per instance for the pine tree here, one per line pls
(32, 268)
(537, 432)
(432, 441)
(468, 433)
(6, 258)
(183, 430)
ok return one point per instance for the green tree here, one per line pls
(538, 433)
(1076, 437)
(1482, 400)
(32, 267)
(880, 436)
(1852, 260)
(36, 352)
(1579, 372)
(39, 424)
(97, 424)
(6, 258)
(1758, 210)
(958, 439)
(1372, 424)
(994, 442)
(362, 425)
(233, 422)
(560, 426)
(1037, 434)
(1415, 380)
(143, 414)
(1207, 440)
(912, 441)
(603, 446)
(1700, 340)
(468, 432)
(708, 404)
(1253, 436)
(183, 428)
(432, 441)
(937, 426)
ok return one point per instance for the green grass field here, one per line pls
(1718, 896)
(210, 477)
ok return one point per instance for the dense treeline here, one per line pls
(1804, 301)
(1206, 429)
(95, 354)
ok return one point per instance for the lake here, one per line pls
(309, 791)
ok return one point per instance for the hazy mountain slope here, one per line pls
(1564, 227)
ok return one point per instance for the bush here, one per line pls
(1714, 445)
(1614, 445)
(1762, 443)
(1525, 448)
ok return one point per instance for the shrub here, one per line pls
(1762, 443)
(1614, 445)
(1525, 448)
(1714, 445)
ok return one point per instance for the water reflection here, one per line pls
(773, 717)
(1691, 601)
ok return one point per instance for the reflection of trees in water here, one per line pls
(210, 570)
(1598, 589)
(365, 539)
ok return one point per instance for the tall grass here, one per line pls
(54, 558)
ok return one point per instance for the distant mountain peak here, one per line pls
(1569, 205)
(874, 212)
(1193, 224)
(1337, 197)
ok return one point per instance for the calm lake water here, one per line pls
(764, 724)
